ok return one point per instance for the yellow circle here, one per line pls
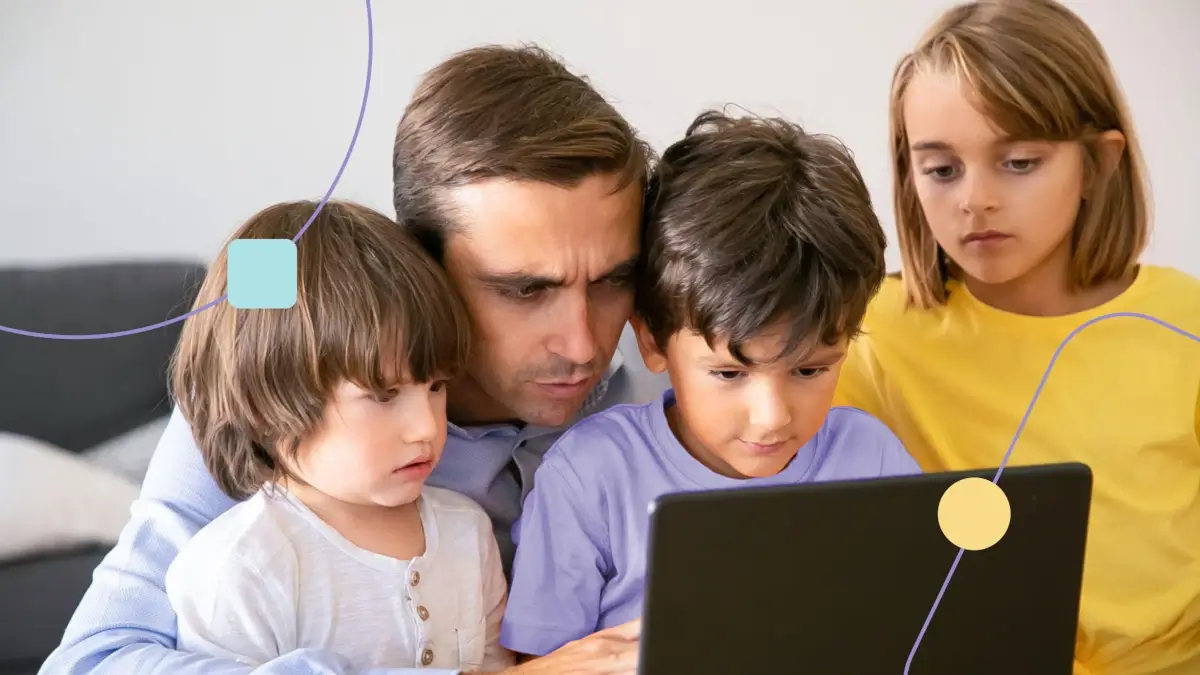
(974, 514)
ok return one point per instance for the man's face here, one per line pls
(546, 273)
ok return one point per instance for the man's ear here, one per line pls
(654, 358)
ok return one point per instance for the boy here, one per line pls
(326, 418)
(760, 254)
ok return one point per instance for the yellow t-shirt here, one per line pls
(1123, 396)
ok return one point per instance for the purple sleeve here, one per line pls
(561, 560)
(895, 460)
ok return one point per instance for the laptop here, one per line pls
(839, 577)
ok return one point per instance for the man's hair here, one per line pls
(371, 307)
(753, 224)
(514, 113)
(1039, 73)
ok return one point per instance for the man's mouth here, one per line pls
(564, 388)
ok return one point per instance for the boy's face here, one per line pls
(371, 451)
(745, 422)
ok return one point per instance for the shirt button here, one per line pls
(415, 578)
(427, 657)
(423, 613)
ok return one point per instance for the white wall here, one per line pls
(144, 128)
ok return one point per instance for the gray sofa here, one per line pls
(76, 395)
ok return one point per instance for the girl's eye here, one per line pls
(943, 172)
(1022, 165)
(437, 386)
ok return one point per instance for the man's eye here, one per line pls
(524, 292)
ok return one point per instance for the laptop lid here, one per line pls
(840, 577)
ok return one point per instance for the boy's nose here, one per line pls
(769, 413)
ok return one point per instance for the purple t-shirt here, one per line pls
(581, 539)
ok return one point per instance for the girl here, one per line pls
(1021, 215)
(326, 418)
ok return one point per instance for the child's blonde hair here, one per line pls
(1039, 73)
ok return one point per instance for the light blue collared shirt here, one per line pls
(125, 624)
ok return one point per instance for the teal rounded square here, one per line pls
(261, 273)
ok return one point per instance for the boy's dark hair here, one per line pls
(504, 112)
(752, 222)
(371, 307)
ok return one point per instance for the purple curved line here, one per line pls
(332, 186)
(121, 333)
(1021, 427)
(362, 111)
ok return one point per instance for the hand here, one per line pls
(612, 651)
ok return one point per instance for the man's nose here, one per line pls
(573, 337)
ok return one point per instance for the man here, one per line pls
(527, 185)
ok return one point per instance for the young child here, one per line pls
(326, 418)
(761, 251)
(1021, 214)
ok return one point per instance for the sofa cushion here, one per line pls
(77, 394)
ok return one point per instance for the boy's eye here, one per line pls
(809, 373)
(726, 375)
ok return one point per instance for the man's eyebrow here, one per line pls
(517, 279)
(522, 279)
(621, 270)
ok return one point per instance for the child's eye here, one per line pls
(943, 172)
(809, 373)
(1022, 165)
(385, 397)
(726, 375)
(437, 386)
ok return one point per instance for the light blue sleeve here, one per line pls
(125, 623)
(558, 571)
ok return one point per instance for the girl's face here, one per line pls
(1002, 209)
(375, 451)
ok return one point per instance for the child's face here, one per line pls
(370, 451)
(744, 421)
(1001, 209)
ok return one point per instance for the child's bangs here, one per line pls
(801, 302)
(409, 337)
(1020, 89)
